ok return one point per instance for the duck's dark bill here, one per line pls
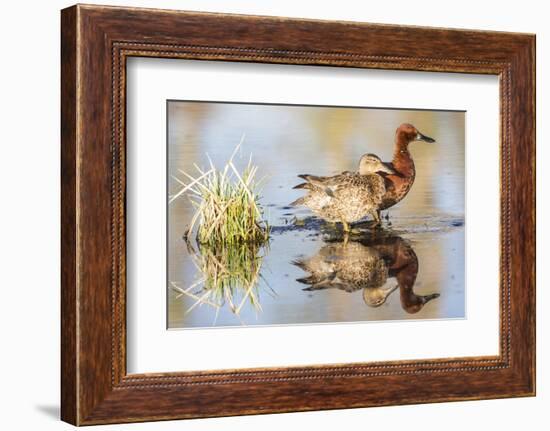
(425, 138)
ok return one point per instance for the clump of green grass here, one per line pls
(229, 275)
(226, 201)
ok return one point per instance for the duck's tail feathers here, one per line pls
(314, 182)
(318, 281)
(307, 280)
(309, 178)
(300, 263)
(325, 284)
(303, 186)
(298, 202)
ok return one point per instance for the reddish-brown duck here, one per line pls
(399, 184)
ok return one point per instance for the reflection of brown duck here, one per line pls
(367, 265)
(403, 265)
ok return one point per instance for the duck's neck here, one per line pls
(402, 160)
(399, 184)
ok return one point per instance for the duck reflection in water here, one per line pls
(367, 264)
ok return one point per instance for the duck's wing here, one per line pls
(329, 180)
(347, 182)
(314, 179)
(328, 185)
(353, 183)
(306, 186)
(329, 281)
(312, 182)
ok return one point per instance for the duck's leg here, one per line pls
(347, 230)
(376, 217)
(346, 227)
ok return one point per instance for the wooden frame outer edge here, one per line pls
(100, 404)
(69, 208)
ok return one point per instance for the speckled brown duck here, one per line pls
(399, 182)
(349, 196)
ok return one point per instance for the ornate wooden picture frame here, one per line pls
(96, 41)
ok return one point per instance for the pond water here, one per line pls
(411, 268)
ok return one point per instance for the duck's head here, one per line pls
(413, 303)
(407, 133)
(376, 296)
(371, 164)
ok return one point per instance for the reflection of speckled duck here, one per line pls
(349, 196)
(345, 266)
(367, 265)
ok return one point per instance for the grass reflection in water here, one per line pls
(229, 275)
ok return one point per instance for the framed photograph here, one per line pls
(264, 215)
